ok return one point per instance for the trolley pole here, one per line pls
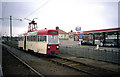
(11, 31)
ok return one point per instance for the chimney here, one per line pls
(71, 31)
(57, 28)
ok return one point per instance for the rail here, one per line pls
(34, 70)
(93, 71)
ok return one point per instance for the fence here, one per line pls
(112, 56)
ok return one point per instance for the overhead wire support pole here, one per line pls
(11, 31)
(10, 27)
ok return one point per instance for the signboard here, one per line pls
(78, 29)
(81, 35)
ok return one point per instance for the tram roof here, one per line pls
(43, 32)
(46, 32)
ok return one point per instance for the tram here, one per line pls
(41, 41)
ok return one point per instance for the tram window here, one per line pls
(38, 38)
(21, 38)
(31, 38)
(42, 38)
(27, 38)
(35, 38)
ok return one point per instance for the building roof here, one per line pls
(96, 31)
(61, 31)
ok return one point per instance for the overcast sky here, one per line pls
(67, 14)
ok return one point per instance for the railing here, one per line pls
(112, 56)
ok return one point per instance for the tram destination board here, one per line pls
(53, 32)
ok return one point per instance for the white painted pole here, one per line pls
(97, 46)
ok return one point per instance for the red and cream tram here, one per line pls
(41, 41)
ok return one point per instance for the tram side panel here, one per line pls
(21, 44)
(39, 47)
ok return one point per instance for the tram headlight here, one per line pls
(57, 46)
(48, 47)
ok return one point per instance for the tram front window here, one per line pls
(53, 39)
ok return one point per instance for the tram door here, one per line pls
(25, 43)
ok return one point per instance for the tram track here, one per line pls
(56, 57)
(92, 71)
(38, 74)
(55, 68)
(70, 65)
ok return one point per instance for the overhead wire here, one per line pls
(37, 9)
(4, 7)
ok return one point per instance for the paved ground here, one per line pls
(98, 64)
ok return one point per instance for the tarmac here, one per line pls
(91, 62)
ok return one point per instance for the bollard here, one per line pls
(97, 47)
